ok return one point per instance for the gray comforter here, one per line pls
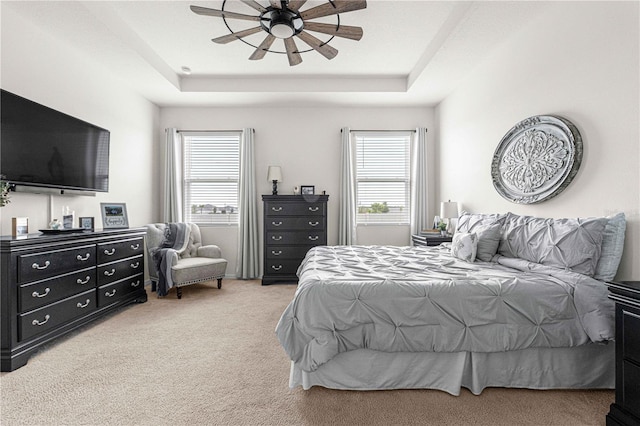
(416, 299)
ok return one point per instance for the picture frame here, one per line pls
(86, 223)
(19, 226)
(114, 215)
(307, 189)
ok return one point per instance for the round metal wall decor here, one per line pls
(537, 159)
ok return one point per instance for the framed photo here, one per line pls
(87, 223)
(114, 215)
(19, 226)
(307, 189)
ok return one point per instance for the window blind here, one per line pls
(211, 171)
(382, 177)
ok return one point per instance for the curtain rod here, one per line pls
(378, 131)
(220, 131)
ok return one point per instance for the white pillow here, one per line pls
(612, 245)
(464, 246)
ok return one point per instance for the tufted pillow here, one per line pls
(464, 246)
(487, 227)
(573, 244)
(612, 245)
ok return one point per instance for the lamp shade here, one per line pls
(275, 173)
(449, 209)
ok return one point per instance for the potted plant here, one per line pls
(4, 191)
(442, 226)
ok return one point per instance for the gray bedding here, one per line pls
(421, 299)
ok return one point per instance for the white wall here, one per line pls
(48, 71)
(305, 142)
(578, 60)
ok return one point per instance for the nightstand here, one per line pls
(626, 409)
(429, 240)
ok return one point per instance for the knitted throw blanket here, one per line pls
(176, 238)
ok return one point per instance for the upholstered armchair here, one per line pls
(197, 263)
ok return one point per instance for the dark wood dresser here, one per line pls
(52, 284)
(292, 225)
(626, 409)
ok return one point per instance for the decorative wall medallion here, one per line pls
(536, 159)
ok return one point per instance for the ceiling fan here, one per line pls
(282, 19)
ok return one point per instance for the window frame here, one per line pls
(224, 219)
(369, 219)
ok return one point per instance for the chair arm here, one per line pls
(210, 251)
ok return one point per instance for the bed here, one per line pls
(513, 301)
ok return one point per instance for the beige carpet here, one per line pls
(212, 358)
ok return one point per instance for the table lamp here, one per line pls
(274, 175)
(448, 211)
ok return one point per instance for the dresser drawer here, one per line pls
(294, 252)
(37, 266)
(110, 293)
(109, 252)
(56, 314)
(281, 266)
(296, 238)
(40, 293)
(631, 336)
(275, 208)
(297, 223)
(115, 271)
(631, 387)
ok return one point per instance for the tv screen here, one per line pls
(42, 147)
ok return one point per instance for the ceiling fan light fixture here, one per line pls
(281, 30)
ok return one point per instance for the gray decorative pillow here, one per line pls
(612, 245)
(573, 244)
(487, 227)
(464, 246)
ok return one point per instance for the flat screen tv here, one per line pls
(42, 147)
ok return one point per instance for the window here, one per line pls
(382, 177)
(211, 171)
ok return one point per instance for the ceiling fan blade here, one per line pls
(235, 36)
(262, 49)
(276, 3)
(292, 51)
(324, 49)
(338, 6)
(353, 33)
(254, 4)
(220, 13)
(295, 5)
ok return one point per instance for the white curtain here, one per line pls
(248, 256)
(171, 183)
(419, 182)
(347, 201)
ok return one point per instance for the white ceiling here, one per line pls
(413, 53)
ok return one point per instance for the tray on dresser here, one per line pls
(62, 230)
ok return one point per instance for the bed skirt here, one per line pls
(584, 367)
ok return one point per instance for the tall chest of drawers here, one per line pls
(626, 409)
(53, 284)
(292, 225)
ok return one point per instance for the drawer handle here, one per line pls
(82, 259)
(276, 268)
(313, 237)
(135, 246)
(113, 293)
(86, 280)
(39, 323)
(136, 284)
(314, 223)
(81, 306)
(108, 274)
(110, 252)
(276, 237)
(276, 253)
(314, 209)
(36, 294)
(276, 223)
(45, 266)
(135, 265)
(276, 209)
